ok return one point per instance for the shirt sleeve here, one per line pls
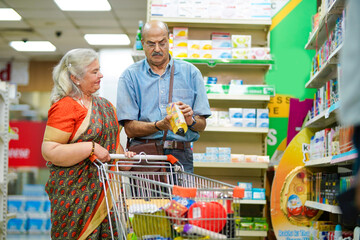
(201, 104)
(126, 104)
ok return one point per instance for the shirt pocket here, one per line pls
(184, 95)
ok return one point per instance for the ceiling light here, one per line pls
(9, 14)
(83, 5)
(107, 39)
(33, 46)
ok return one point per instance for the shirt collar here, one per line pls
(151, 72)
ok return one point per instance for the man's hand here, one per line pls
(164, 124)
(187, 112)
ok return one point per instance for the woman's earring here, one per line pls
(78, 84)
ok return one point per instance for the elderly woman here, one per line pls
(80, 128)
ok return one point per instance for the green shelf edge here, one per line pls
(227, 61)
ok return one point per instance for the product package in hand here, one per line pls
(177, 121)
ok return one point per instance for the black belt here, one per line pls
(167, 144)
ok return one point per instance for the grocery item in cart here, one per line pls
(155, 223)
(208, 215)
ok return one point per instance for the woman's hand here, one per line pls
(101, 153)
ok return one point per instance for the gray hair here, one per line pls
(74, 62)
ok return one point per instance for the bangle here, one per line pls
(93, 148)
(156, 126)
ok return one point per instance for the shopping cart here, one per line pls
(170, 204)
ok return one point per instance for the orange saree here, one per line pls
(78, 207)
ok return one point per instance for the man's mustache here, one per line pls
(157, 54)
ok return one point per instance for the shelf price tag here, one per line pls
(327, 113)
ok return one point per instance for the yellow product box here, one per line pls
(206, 54)
(180, 52)
(205, 44)
(193, 44)
(193, 53)
(180, 33)
(180, 43)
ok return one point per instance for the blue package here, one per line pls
(184, 201)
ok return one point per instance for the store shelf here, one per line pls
(249, 201)
(2, 95)
(230, 61)
(345, 158)
(215, 23)
(250, 98)
(231, 165)
(319, 35)
(321, 77)
(244, 233)
(237, 129)
(321, 162)
(10, 216)
(323, 207)
(139, 55)
(12, 136)
(324, 119)
(12, 176)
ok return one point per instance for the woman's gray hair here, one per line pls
(74, 62)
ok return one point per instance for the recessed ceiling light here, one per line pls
(107, 39)
(9, 14)
(83, 5)
(33, 46)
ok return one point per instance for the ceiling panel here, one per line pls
(12, 24)
(88, 15)
(42, 19)
(31, 4)
(128, 4)
(41, 13)
(51, 23)
(96, 23)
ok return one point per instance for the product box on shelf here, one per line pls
(252, 90)
(17, 225)
(213, 119)
(245, 185)
(217, 89)
(224, 119)
(36, 223)
(180, 33)
(249, 113)
(221, 53)
(260, 53)
(262, 117)
(236, 116)
(180, 52)
(258, 194)
(241, 53)
(180, 43)
(241, 41)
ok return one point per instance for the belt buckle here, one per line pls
(168, 144)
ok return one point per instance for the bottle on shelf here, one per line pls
(138, 44)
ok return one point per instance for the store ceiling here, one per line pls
(43, 20)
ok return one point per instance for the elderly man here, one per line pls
(143, 92)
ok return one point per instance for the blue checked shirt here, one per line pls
(143, 95)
